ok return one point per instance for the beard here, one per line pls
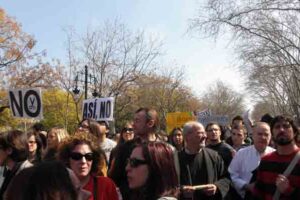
(283, 141)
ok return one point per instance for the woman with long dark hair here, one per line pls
(176, 138)
(35, 147)
(151, 172)
(126, 135)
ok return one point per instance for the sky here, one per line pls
(205, 61)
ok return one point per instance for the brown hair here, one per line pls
(82, 137)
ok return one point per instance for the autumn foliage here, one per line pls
(14, 43)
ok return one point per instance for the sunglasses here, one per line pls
(128, 129)
(134, 162)
(32, 142)
(79, 156)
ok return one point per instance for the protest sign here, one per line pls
(26, 103)
(178, 119)
(99, 109)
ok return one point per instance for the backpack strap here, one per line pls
(287, 172)
(95, 189)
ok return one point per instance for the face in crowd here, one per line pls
(139, 123)
(213, 132)
(261, 136)
(32, 144)
(195, 136)
(137, 169)
(284, 131)
(177, 137)
(84, 125)
(52, 139)
(55, 136)
(127, 132)
(81, 160)
(145, 121)
(238, 136)
(151, 166)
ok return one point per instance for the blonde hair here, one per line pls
(61, 133)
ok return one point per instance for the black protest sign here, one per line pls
(26, 103)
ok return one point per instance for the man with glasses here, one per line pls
(273, 182)
(214, 142)
(202, 171)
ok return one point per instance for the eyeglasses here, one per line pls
(134, 162)
(285, 126)
(79, 156)
(128, 129)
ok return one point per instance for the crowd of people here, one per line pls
(195, 162)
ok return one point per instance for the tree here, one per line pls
(6, 121)
(164, 92)
(115, 55)
(267, 44)
(222, 100)
(57, 110)
(15, 45)
(261, 108)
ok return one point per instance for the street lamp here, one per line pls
(86, 78)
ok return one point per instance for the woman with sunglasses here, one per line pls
(126, 135)
(80, 154)
(151, 172)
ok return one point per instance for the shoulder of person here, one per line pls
(105, 181)
(167, 198)
(210, 151)
(110, 141)
(25, 164)
(246, 149)
(227, 146)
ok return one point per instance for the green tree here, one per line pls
(57, 112)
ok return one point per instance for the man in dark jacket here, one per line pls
(202, 171)
(145, 125)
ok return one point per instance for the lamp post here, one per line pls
(86, 78)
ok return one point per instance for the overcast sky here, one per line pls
(204, 60)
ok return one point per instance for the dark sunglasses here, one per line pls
(134, 162)
(79, 156)
(128, 129)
